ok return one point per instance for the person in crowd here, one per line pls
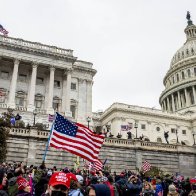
(3, 183)
(159, 187)
(172, 190)
(98, 190)
(58, 185)
(24, 188)
(148, 189)
(193, 187)
(134, 185)
(75, 187)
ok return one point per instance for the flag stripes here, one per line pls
(75, 138)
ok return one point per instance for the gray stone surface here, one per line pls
(120, 154)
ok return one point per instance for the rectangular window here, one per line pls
(73, 86)
(173, 130)
(143, 126)
(20, 101)
(184, 132)
(39, 80)
(22, 77)
(56, 106)
(57, 83)
(195, 71)
(73, 111)
(38, 104)
(5, 75)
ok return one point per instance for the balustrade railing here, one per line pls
(21, 108)
(3, 105)
(36, 45)
(115, 142)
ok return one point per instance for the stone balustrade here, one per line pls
(21, 108)
(35, 45)
(40, 111)
(3, 105)
(110, 142)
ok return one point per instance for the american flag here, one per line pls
(98, 165)
(75, 138)
(2, 30)
(94, 166)
(146, 166)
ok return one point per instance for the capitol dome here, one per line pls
(180, 80)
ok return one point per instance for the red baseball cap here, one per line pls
(22, 183)
(72, 176)
(59, 178)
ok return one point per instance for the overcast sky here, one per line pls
(129, 42)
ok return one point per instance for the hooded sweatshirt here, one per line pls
(101, 189)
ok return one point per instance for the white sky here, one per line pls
(130, 42)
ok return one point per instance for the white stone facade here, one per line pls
(178, 102)
(39, 78)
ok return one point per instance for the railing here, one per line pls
(35, 45)
(110, 142)
(21, 108)
(3, 105)
(40, 111)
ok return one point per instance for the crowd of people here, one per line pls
(17, 179)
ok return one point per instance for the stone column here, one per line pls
(68, 91)
(187, 98)
(89, 98)
(165, 108)
(168, 105)
(11, 100)
(194, 94)
(50, 109)
(82, 100)
(173, 104)
(31, 101)
(64, 92)
(179, 101)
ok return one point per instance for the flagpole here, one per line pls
(47, 145)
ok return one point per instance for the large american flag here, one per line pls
(75, 138)
(4, 31)
(146, 166)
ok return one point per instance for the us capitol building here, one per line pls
(36, 80)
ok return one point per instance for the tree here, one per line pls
(4, 132)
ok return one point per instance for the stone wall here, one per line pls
(29, 146)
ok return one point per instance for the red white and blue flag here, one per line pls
(98, 165)
(75, 138)
(4, 31)
(146, 166)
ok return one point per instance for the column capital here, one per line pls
(34, 64)
(52, 68)
(17, 61)
(81, 80)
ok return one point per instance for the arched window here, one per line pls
(173, 80)
(177, 77)
(192, 50)
(21, 98)
(189, 72)
(56, 103)
(183, 75)
(159, 140)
